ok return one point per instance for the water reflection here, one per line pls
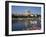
(26, 24)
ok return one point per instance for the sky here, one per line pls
(22, 9)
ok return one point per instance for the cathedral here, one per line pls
(27, 13)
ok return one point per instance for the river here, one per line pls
(19, 25)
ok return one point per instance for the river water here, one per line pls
(19, 25)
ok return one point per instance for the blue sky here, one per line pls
(21, 9)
